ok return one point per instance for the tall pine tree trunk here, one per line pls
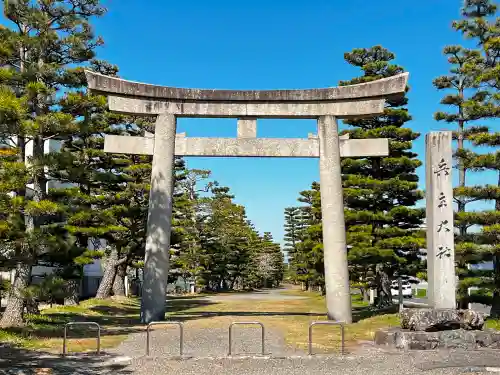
(106, 285)
(462, 299)
(384, 296)
(119, 283)
(72, 292)
(495, 303)
(13, 314)
(110, 271)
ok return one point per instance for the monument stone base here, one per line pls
(399, 338)
(426, 329)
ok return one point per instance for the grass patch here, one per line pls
(421, 293)
(117, 318)
(356, 299)
(493, 324)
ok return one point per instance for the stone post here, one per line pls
(159, 224)
(338, 297)
(439, 208)
(372, 296)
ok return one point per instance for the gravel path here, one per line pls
(368, 362)
(206, 342)
(206, 349)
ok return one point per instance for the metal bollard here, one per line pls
(98, 351)
(327, 322)
(181, 334)
(263, 336)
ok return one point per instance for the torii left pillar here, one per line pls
(156, 262)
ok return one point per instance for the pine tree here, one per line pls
(308, 260)
(49, 37)
(380, 193)
(188, 262)
(270, 261)
(184, 243)
(122, 200)
(294, 226)
(473, 80)
(225, 238)
(83, 169)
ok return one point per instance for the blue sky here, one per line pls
(270, 45)
(264, 44)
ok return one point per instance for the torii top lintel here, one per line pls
(382, 88)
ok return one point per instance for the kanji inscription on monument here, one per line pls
(440, 235)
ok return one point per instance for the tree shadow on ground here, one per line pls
(361, 313)
(113, 321)
(110, 326)
(242, 291)
(176, 304)
(178, 309)
(17, 360)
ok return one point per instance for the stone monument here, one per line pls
(168, 103)
(441, 325)
(439, 212)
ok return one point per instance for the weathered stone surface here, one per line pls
(344, 109)
(439, 212)
(382, 87)
(247, 127)
(246, 147)
(452, 339)
(471, 319)
(338, 300)
(156, 262)
(386, 337)
(440, 319)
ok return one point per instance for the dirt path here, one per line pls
(202, 340)
(261, 295)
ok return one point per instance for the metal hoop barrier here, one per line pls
(327, 322)
(94, 324)
(263, 336)
(181, 334)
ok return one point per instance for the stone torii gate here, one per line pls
(326, 105)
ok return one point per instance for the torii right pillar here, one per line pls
(338, 296)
